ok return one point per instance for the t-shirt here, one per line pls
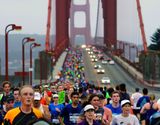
(84, 122)
(124, 96)
(17, 117)
(99, 114)
(3, 98)
(54, 113)
(115, 111)
(142, 100)
(1, 118)
(135, 96)
(17, 104)
(70, 114)
(130, 120)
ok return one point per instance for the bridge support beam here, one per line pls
(84, 31)
(110, 23)
(62, 16)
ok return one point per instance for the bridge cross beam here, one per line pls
(84, 31)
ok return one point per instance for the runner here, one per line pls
(24, 114)
(125, 118)
(71, 112)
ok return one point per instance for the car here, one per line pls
(100, 71)
(90, 52)
(83, 46)
(92, 56)
(104, 61)
(105, 80)
(94, 59)
(88, 49)
(97, 66)
(111, 62)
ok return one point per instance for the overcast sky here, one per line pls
(32, 15)
(128, 22)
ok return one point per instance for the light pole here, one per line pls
(33, 45)
(24, 41)
(40, 60)
(13, 27)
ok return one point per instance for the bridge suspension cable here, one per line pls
(142, 26)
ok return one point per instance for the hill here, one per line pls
(15, 50)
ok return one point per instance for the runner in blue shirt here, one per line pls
(115, 106)
(71, 112)
(55, 110)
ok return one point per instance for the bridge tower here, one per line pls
(84, 31)
(110, 23)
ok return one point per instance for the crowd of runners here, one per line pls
(71, 100)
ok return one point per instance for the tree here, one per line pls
(155, 38)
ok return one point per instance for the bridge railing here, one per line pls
(128, 51)
(147, 64)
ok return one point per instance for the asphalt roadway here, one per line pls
(117, 75)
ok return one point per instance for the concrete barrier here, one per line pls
(133, 72)
(58, 66)
(129, 68)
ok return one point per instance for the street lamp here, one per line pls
(24, 41)
(13, 27)
(33, 45)
(40, 60)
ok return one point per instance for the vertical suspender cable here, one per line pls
(97, 21)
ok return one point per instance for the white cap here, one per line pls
(87, 107)
(37, 96)
(123, 102)
(55, 95)
(45, 86)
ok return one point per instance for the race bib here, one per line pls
(56, 121)
(73, 117)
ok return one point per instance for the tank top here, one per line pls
(150, 112)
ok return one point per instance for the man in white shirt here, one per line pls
(134, 99)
